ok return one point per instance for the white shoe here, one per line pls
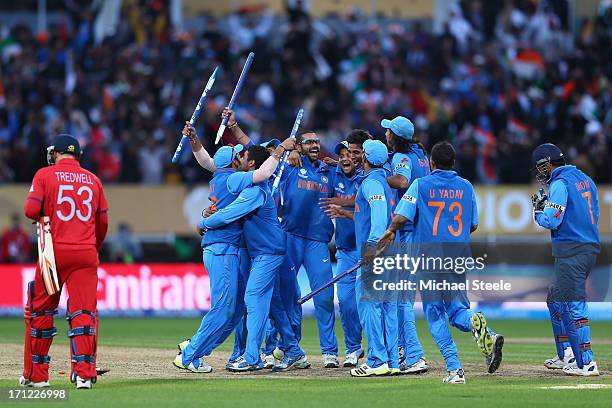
(269, 361)
(202, 368)
(28, 383)
(416, 368)
(455, 377)
(183, 345)
(83, 384)
(330, 361)
(367, 371)
(495, 359)
(556, 363)
(588, 370)
(352, 359)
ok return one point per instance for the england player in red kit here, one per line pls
(74, 201)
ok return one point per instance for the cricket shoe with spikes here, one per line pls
(330, 361)
(367, 371)
(269, 361)
(481, 334)
(83, 383)
(23, 382)
(494, 360)
(241, 366)
(201, 368)
(352, 359)
(291, 362)
(588, 370)
(454, 377)
(416, 368)
(556, 363)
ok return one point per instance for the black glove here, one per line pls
(538, 200)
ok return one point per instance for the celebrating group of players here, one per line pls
(255, 240)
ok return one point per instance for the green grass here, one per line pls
(494, 390)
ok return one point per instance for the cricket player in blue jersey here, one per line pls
(222, 256)
(408, 162)
(571, 213)
(442, 207)
(309, 232)
(271, 341)
(271, 351)
(344, 188)
(372, 217)
(265, 240)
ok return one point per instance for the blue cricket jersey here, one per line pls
(346, 188)
(412, 165)
(302, 187)
(571, 212)
(255, 206)
(220, 196)
(373, 203)
(442, 207)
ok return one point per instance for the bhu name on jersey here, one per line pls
(70, 177)
(446, 193)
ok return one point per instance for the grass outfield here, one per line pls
(522, 381)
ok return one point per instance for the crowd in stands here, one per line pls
(497, 79)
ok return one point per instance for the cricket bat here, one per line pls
(46, 257)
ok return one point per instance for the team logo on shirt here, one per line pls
(340, 187)
(324, 179)
(303, 173)
(376, 197)
(409, 198)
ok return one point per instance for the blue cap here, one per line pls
(400, 126)
(375, 152)
(546, 152)
(225, 155)
(65, 143)
(342, 145)
(270, 143)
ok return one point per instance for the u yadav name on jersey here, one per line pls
(446, 193)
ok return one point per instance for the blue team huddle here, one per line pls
(256, 239)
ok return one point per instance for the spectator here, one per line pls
(500, 79)
(15, 243)
(124, 246)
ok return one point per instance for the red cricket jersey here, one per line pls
(73, 199)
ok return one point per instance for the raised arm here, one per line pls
(265, 171)
(232, 125)
(200, 153)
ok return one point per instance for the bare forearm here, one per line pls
(242, 137)
(398, 222)
(204, 159)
